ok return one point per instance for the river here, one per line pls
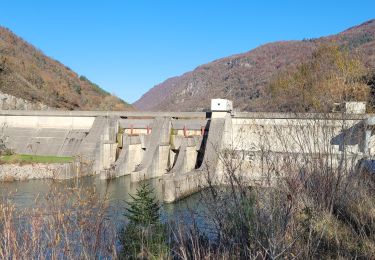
(24, 194)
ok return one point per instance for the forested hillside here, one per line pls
(26, 73)
(246, 78)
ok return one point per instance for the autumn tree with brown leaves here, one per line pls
(332, 75)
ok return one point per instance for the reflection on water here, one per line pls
(24, 193)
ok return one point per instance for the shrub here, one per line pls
(77, 88)
(67, 223)
(144, 236)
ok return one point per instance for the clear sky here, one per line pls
(129, 46)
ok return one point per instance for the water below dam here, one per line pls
(28, 194)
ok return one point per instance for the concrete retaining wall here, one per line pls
(60, 171)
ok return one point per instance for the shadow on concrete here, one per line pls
(351, 136)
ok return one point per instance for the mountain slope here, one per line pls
(26, 73)
(244, 78)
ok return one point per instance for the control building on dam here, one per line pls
(186, 150)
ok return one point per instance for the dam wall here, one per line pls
(263, 143)
(45, 135)
(296, 133)
(185, 150)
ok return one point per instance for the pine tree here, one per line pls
(144, 237)
(144, 209)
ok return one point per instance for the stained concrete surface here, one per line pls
(44, 141)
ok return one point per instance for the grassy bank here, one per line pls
(27, 159)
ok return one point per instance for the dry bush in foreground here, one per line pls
(68, 224)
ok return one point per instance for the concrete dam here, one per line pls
(185, 150)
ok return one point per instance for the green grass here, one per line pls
(26, 158)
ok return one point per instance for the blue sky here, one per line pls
(129, 46)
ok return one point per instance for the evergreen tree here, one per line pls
(144, 237)
(144, 209)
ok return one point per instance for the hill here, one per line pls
(27, 76)
(244, 78)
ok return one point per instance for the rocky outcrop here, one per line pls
(9, 102)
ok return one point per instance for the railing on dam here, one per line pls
(272, 115)
(124, 114)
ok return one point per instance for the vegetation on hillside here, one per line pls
(25, 72)
(332, 75)
(245, 78)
